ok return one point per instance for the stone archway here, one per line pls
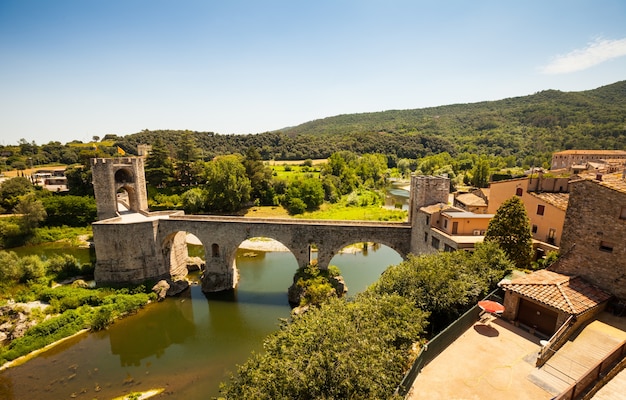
(175, 254)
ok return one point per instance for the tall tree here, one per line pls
(32, 212)
(159, 167)
(188, 154)
(480, 173)
(510, 229)
(228, 187)
(260, 177)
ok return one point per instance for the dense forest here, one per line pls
(528, 129)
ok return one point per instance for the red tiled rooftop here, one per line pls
(559, 200)
(591, 152)
(572, 295)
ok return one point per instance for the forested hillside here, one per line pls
(527, 128)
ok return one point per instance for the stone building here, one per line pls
(570, 158)
(593, 243)
(437, 226)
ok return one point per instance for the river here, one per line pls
(186, 345)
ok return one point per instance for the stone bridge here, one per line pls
(142, 247)
(134, 245)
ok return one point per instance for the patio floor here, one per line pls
(489, 361)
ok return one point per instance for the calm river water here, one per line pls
(188, 344)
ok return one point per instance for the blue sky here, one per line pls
(73, 69)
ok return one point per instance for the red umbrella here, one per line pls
(491, 306)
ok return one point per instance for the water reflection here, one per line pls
(173, 323)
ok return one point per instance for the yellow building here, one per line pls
(546, 210)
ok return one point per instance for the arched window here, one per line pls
(215, 250)
(518, 192)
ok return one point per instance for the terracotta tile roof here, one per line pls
(592, 152)
(613, 180)
(570, 294)
(470, 199)
(439, 207)
(559, 200)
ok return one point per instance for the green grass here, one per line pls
(294, 172)
(367, 213)
(52, 234)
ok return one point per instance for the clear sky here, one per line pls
(73, 69)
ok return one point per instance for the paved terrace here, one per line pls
(497, 361)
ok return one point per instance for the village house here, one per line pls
(572, 158)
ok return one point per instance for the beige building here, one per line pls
(546, 210)
(450, 228)
(569, 158)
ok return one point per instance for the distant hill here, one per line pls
(523, 127)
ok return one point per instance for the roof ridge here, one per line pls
(567, 300)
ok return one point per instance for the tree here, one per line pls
(194, 200)
(342, 350)
(159, 168)
(12, 189)
(446, 284)
(260, 177)
(480, 173)
(69, 210)
(32, 212)
(228, 187)
(510, 229)
(188, 154)
(309, 192)
(79, 180)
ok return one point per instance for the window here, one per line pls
(445, 224)
(447, 248)
(622, 214)
(534, 228)
(215, 250)
(541, 209)
(606, 247)
(552, 236)
(518, 192)
(435, 243)
(428, 220)
(425, 237)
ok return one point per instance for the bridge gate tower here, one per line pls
(109, 175)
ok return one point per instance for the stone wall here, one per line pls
(425, 191)
(593, 243)
(127, 253)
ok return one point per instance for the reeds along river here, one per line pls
(186, 345)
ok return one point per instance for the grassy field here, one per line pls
(332, 212)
